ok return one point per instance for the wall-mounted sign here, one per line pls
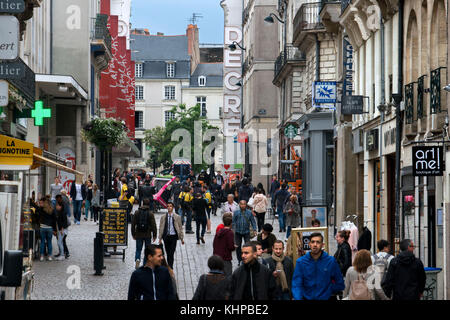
(428, 161)
(372, 140)
(290, 131)
(324, 92)
(347, 86)
(12, 6)
(9, 40)
(39, 113)
(4, 93)
(15, 152)
(352, 105)
(12, 70)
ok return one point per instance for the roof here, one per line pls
(213, 73)
(151, 47)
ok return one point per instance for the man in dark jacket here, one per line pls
(152, 281)
(223, 244)
(143, 229)
(245, 191)
(279, 200)
(252, 281)
(405, 278)
(175, 193)
(147, 191)
(274, 186)
(282, 269)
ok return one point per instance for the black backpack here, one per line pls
(142, 223)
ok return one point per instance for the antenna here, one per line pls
(195, 18)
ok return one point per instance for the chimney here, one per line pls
(193, 46)
(160, 34)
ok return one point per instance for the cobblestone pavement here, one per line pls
(52, 277)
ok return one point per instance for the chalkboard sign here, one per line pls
(352, 105)
(27, 222)
(115, 227)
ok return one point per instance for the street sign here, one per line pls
(9, 40)
(352, 105)
(39, 113)
(4, 93)
(428, 161)
(12, 6)
(12, 70)
(290, 131)
(324, 92)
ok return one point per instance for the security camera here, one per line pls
(447, 88)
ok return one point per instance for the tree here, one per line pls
(159, 138)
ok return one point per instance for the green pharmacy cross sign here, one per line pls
(39, 113)
(290, 131)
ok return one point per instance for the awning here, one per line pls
(41, 160)
(65, 87)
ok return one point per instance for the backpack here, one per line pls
(142, 223)
(381, 265)
(359, 289)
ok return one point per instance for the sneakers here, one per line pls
(49, 259)
(137, 264)
(60, 258)
(67, 256)
(57, 256)
(78, 222)
(41, 258)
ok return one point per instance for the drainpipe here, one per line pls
(382, 116)
(51, 36)
(398, 97)
(317, 58)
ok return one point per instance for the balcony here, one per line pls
(410, 124)
(307, 22)
(437, 114)
(329, 15)
(285, 62)
(101, 40)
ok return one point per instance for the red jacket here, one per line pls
(223, 244)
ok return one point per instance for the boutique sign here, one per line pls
(428, 161)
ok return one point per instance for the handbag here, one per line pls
(253, 233)
(251, 202)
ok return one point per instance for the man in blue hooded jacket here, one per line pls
(317, 275)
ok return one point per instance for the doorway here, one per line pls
(431, 231)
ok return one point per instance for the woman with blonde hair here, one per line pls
(362, 270)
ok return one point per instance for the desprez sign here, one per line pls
(428, 161)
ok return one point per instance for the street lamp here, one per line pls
(232, 46)
(269, 19)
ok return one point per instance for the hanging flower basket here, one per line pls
(105, 133)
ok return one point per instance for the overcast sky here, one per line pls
(171, 17)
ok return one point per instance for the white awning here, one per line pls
(51, 84)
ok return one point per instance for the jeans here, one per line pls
(61, 241)
(46, 237)
(139, 244)
(54, 203)
(87, 207)
(238, 242)
(77, 209)
(281, 218)
(200, 221)
(228, 268)
(188, 214)
(288, 233)
(95, 211)
(260, 216)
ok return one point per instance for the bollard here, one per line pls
(98, 254)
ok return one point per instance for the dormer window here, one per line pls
(170, 69)
(202, 81)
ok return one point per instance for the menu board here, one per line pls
(115, 227)
(26, 219)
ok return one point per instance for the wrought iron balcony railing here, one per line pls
(420, 94)
(435, 90)
(308, 17)
(99, 29)
(290, 54)
(409, 103)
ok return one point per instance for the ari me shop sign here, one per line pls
(428, 161)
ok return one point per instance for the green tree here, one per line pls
(159, 138)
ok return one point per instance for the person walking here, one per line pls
(220, 179)
(223, 244)
(267, 240)
(47, 223)
(343, 253)
(383, 258)
(274, 186)
(405, 278)
(358, 283)
(251, 281)
(170, 231)
(199, 207)
(259, 253)
(282, 269)
(78, 195)
(215, 285)
(146, 191)
(242, 219)
(186, 199)
(143, 229)
(231, 205)
(95, 204)
(260, 204)
(55, 189)
(89, 195)
(66, 206)
(208, 197)
(317, 275)
(293, 214)
(245, 191)
(279, 200)
(61, 228)
(175, 193)
(152, 281)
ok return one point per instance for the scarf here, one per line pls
(281, 279)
